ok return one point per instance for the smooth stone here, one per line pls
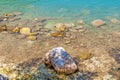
(25, 30)
(16, 30)
(67, 42)
(14, 19)
(1, 20)
(79, 27)
(98, 23)
(57, 34)
(45, 30)
(4, 32)
(58, 25)
(3, 77)
(69, 25)
(33, 34)
(32, 38)
(115, 21)
(84, 56)
(61, 61)
(17, 13)
(61, 27)
(36, 29)
(81, 22)
(10, 15)
(40, 20)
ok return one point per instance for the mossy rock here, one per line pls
(84, 56)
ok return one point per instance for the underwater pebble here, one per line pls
(115, 21)
(32, 38)
(80, 22)
(98, 23)
(69, 25)
(25, 30)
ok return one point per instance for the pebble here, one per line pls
(67, 42)
(115, 21)
(80, 22)
(98, 23)
(79, 27)
(25, 30)
(32, 38)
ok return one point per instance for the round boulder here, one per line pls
(61, 61)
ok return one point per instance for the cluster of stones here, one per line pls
(29, 32)
(58, 58)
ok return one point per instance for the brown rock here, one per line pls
(25, 30)
(16, 30)
(57, 34)
(98, 23)
(32, 38)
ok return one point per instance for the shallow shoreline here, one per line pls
(102, 42)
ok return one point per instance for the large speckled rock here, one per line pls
(3, 77)
(61, 61)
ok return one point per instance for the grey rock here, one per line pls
(3, 77)
(60, 60)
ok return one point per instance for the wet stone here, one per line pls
(3, 77)
(14, 19)
(25, 30)
(32, 38)
(80, 22)
(40, 20)
(17, 13)
(115, 53)
(1, 20)
(60, 60)
(79, 27)
(98, 23)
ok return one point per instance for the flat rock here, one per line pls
(80, 22)
(98, 23)
(115, 21)
(25, 30)
(61, 61)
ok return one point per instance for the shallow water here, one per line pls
(66, 10)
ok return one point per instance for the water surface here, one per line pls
(66, 10)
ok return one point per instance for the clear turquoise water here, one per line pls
(63, 9)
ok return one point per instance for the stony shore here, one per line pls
(23, 44)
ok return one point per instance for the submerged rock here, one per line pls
(3, 77)
(70, 25)
(61, 61)
(115, 21)
(32, 38)
(25, 30)
(57, 34)
(98, 23)
(80, 22)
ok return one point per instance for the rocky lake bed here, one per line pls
(94, 46)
